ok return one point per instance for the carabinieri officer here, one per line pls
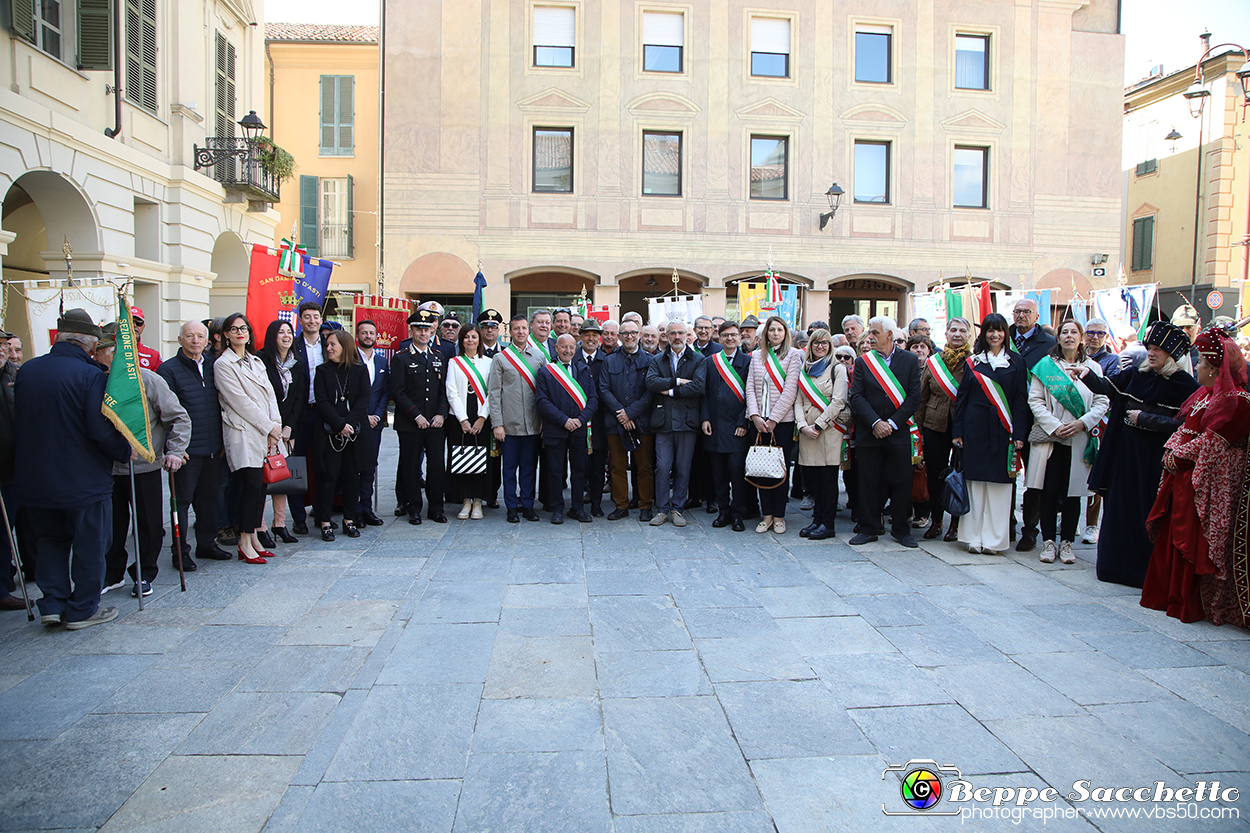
(418, 386)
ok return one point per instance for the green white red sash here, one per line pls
(542, 348)
(894, 390)
(475, 378)
(569, 384)
(774, 370)
(812, 391)
(942, 376)
(994, 393)
(731, 377)
(521, 363)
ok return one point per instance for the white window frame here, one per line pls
(647, 41)
(332, 208)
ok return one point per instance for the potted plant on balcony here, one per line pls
(277, 162)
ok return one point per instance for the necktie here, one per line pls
(1019, 341)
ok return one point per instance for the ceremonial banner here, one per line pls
(666, 308)
(125, 404)
(1007, 300)
(315, 281)
(599, 313)
(479, 283)
(44, 304)
(268, 293)
(926, 306)
(389, 314)
(751, 301)
(1125, 309)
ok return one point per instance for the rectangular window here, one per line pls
(770, 47)
(769, 163)
(1147, 152)
(873, 54)
(661, 164)
(972, 62)
(338, 115)
(663, 35)
(141, 53)
(553, 159)
(48, 26)
(336, 217)
(872, 172)
(1143, 243)
(971, 175)
(555, 33)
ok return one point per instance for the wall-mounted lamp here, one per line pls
(834, 195)
(1098, 259)
(1172, 137)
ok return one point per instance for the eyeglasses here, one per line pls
(900, 341)
(238, 328)
(845, 358)
(628, 333)
(1095, 333)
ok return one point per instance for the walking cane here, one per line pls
(17, 558)
(173, 522)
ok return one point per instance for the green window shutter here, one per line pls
(329, 113)
(140, 84)
(350, 215)
(1147, 246)
(22, 18)
(347, 114)
(95, 35)
(1135, 260)
(309, 194)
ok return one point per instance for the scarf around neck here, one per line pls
(952, 356)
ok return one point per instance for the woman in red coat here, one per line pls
(1200, 567)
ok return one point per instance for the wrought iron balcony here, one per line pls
(237, 164)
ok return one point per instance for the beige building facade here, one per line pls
(1197, 180)
(102, 158)
(569, 146)
(321, 105)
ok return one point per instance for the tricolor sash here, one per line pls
(774, 370)
(812, 391)
(894, 390)
(521, 363)
(942, 376)
(994, 392)
(475, 378)
(730, 375)
(1061, 386)
(569, 384)
(542, 348)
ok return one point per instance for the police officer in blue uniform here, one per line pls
(418, 387)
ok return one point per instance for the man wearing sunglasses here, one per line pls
(1096, 332)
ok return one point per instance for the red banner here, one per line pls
(389, 314)
(268, 293)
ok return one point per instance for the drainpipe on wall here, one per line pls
(381, 147)
(269, 58)
(116, 130)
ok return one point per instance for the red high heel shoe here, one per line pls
(257, 560)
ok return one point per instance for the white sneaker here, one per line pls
(1066, 555)
(118, 586)
(1090, 536)
(1047, 555)
(973, 548)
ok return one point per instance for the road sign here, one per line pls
(1214, 299)
(1100, 271)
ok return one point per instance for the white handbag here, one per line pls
(766, 462)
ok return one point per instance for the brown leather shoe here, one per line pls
(934, 530)
(11, 603)
(952, 534)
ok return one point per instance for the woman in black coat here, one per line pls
(341, 391)
(991, 450)
(288, 374)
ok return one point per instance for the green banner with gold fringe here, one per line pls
(125, 401)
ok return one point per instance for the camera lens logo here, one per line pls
(921, 789)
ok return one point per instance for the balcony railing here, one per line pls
(237, 165)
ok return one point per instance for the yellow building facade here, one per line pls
(571, 147)
(1197, 180)
(321, 105)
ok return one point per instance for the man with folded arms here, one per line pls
(675, 378)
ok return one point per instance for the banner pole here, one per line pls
(134, 528)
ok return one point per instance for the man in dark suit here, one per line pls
(419, 388)
(1027, 338)
(310, 348)
(882, 438)
(565, 395)
(676, 379)
(379, 395)
(627, 420)
(702, 489)
(725, 427)
(590, 356)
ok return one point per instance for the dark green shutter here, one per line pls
(338, 101)
(95, 35)
(350, 215)
(346, 115)
(22, 18)
(329, 109)
(1143, 243)
(140, 84)
(309, 195)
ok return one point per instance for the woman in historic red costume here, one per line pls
(1200, 567)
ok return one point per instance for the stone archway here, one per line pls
(868, 294)
(230, 264)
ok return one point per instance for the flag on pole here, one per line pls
(268, 293)
(985, 302)
(772, 292)
(315, 282)
(125, 402)
(479, 284)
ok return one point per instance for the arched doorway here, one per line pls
(230, 263)
(549, 287)
(866, 295)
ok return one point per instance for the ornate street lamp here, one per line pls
(834, 195)
(227, 147)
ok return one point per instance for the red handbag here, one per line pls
(274, 470)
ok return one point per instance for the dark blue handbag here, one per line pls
(955, 492)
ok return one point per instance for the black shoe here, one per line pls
(327, 533)
(934, 530)
(371, 519)
(514, 516)
(617, 514)
(711, 508)
(1026, 544)
(529, 514)
(557, 517)
(401, 510)
(862, 538)
(146, 588)
(807, 530)
(820, 533)
(415, 519)
(721, 522)
(300, 528)
(350, 530)
(188, 566)
(692, 503)
(215, 554)
(738, 526)
(438, 517)
(266, 540)
(645, 516)
(228, 536)
(596, 511)
(492, 504)
(579, 516)
(905, 539)
(334, 524)
(284, 536)
(952, 533)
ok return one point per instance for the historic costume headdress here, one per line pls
(1169, 338)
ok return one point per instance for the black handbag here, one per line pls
(297, 483)
(954, 490)
(467, 459)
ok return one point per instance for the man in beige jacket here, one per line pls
(513, 375)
